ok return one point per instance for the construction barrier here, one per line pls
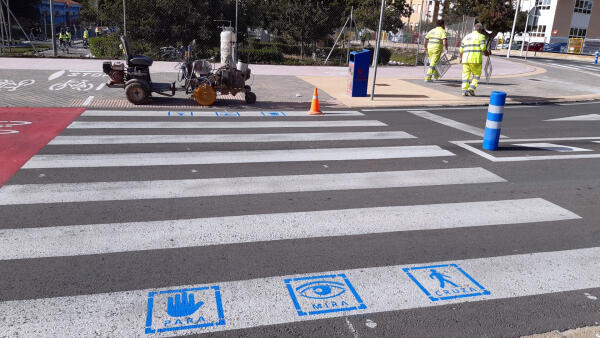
(575, 45)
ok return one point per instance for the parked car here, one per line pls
(556, 47)
(534, 47)
(515, 46)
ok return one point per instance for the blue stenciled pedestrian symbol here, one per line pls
(443, 279)
(182, 305)
(442, 282)
(323, 294)
(184, 309)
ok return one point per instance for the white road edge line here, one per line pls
(231, 157)
(93, 239)
(380, 289)
(450, 123)
(139, 190)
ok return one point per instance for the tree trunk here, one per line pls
(490, 38)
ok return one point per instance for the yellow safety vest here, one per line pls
(62, 37)
(68, 35)
(86, 34)
(472, 48)
(436, 38)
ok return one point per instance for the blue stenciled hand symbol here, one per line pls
(183, 305)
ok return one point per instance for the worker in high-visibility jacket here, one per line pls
(435, 42)
(69, 36)
(62, 36)
(472, 50)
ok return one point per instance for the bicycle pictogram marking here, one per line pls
(12, 86)
(10, 124)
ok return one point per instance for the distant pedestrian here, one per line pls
(435, 42)
(472, 49)
(98, 31)
(86, 37)
(69, 36)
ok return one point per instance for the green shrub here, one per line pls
(260, 55)
(384, 55)
(283, 47)
(106, 47)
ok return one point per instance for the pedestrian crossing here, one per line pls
(577, 67)
(227, 300)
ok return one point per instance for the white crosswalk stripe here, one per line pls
(381, 289)
(234, 304)
(229, 138)
(216, 157)
(97, 239)
(137, 190)
(577, 67)
(266, 113)
(223, 125)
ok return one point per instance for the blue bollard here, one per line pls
(596, 59)
(494, 120)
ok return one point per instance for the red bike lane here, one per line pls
(24, 131)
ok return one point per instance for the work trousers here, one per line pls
(434, 58)
(470, 76)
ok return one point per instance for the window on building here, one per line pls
(543, 4)
(538, 30)
(577, 33)
(583, 6)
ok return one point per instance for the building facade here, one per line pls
(427, 11)
(66, 12)
(558, 20)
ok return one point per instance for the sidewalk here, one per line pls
(502, 68)
(291, 86)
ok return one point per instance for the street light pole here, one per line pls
(377, 48)
(512, 33)
(526, 30)
(235, 47)
(9, 30)
(52, 27)
(124, 20)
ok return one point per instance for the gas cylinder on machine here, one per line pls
(228, 39)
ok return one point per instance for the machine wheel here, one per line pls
(205, 95)
(250, 98)
(136, 93)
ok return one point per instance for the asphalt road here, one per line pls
(278, 229)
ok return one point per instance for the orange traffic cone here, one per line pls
(314, 107)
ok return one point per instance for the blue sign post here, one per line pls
(495, 113)
(596, 59)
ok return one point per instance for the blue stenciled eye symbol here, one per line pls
(321, 289)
